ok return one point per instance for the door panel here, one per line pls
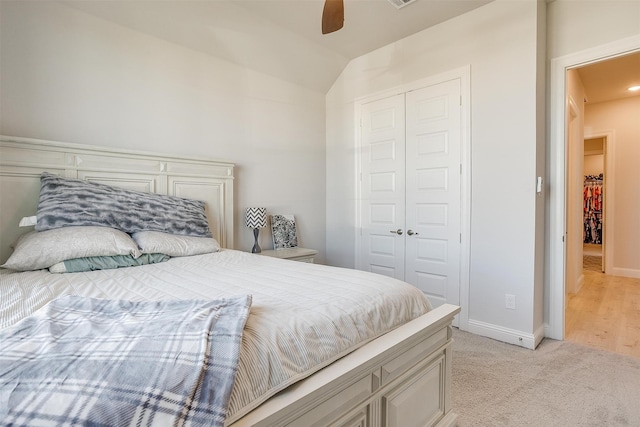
(382, 186)
(398, 404)
(433, 141)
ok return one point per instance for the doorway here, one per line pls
(594, 225)
(557, 231)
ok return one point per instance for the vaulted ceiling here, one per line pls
(281, 38)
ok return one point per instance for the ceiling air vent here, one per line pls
(400, 3)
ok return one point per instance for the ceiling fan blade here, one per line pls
(332, 16)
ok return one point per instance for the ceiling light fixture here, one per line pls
(634, 88)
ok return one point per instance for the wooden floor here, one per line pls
(605, 313)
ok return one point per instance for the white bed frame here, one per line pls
(400, 379)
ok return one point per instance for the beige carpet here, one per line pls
(558, 384)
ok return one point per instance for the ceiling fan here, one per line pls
(333, 13)
(332, 16)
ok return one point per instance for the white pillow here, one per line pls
(28, 221)
(42, 249)
(174, 245)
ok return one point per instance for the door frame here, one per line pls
(464, 74)
(557, 166)
(573, 244)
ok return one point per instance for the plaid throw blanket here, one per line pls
(84, 361)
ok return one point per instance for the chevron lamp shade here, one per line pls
(256, 217)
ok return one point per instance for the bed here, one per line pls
(315, 345)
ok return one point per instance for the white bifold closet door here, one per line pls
(411, 188)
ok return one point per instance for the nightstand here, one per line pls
(294, 254)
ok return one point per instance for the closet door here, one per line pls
(433, 182)
(382, 186)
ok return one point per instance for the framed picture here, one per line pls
(283, 230)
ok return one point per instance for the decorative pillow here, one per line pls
(173, 245)
(28, 221)
(41, 249)
(92, 263)
(65, 201)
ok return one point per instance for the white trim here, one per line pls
(579, 283)
(625, 272)
(573, 108)
(464, 74)
(507, 335)
(457, 73)
(65, 146)
(557, 172)
(357, 138)
(465, 198)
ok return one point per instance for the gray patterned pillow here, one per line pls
(65, 201)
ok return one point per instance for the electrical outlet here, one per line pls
(510, 301)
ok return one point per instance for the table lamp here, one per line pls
(256, 218)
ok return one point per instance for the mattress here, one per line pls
(303, 317)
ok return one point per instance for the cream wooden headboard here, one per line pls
(23, 160)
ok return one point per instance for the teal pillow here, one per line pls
(77, 265)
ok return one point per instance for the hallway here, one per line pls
(605, 313)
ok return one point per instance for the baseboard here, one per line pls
(579, 283)
(549, 333)
(592, 252)
(507, 335)
(625, 272)
(449, 420)
(539, 335)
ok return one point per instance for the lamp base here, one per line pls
(256, 247)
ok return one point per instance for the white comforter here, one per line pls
(303, 317)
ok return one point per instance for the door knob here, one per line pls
(411, 232)
(398, 231)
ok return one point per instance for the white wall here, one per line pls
(621, 117)
(577, 25)
(68, 76)
(593, 164)
(500, 41)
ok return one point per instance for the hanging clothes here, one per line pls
(592, 206)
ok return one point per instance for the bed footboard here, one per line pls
(402, 378)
